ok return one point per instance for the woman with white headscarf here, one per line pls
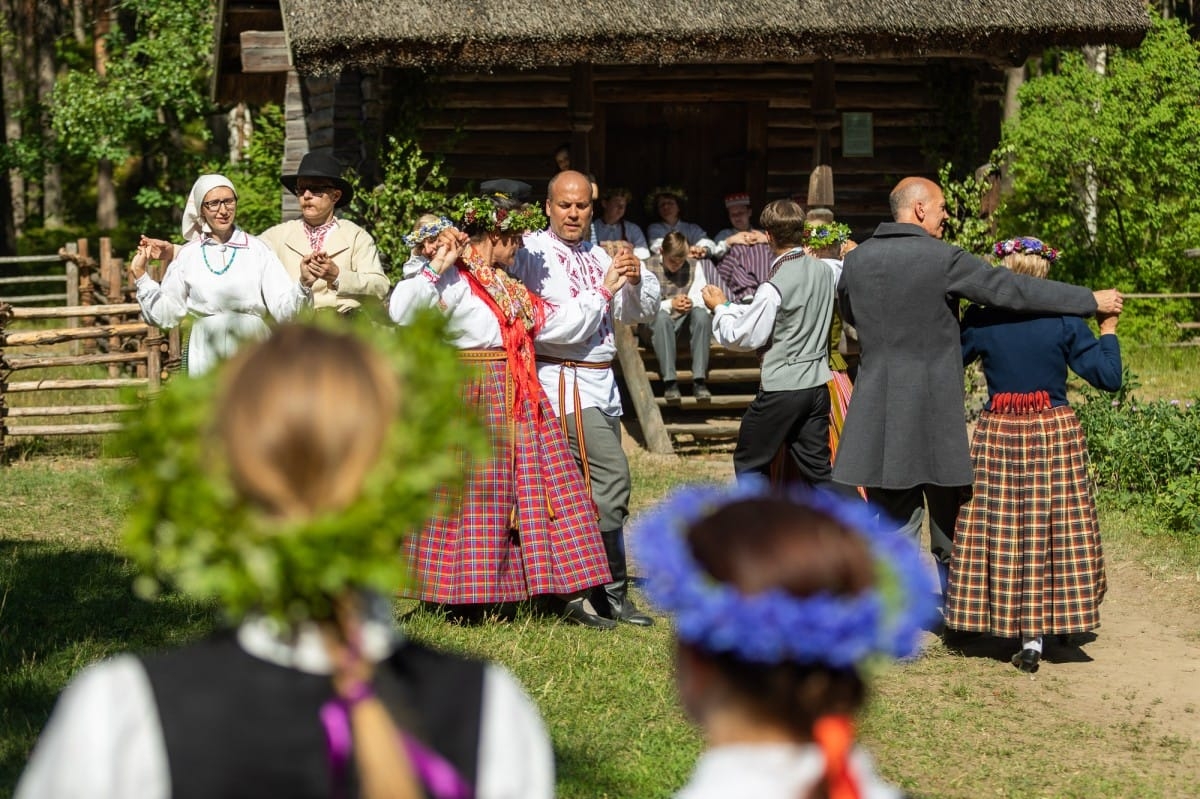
(223, 277)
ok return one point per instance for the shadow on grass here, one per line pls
(61, 609)
(1056, 649)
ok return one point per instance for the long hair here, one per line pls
(302, 418)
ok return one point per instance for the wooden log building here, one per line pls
(714, 97)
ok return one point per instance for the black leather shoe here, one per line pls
(576, 613)
(701, 393)
(631, 615)
(671, 394)
(1027, 660)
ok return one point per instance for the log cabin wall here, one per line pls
(718, 128)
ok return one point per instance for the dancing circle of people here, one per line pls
(861, 351)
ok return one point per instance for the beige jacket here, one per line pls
(360, 274)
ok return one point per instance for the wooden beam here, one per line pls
(265, 51)
(633, 370)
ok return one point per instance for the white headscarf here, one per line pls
(193, 222)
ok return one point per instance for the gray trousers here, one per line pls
(666, 329)
(607, 463)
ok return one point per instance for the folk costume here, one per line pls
(790, 317)
(744, 268)
(1027, 556)
(238, 714)
(227, 288)
(905, 433)
(352, 249)
(576, 372)
(525, 523)
(689, 280)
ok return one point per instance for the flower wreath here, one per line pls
(652, 198)
(775, 626)
(427, 231)
(189, 528)
(1025, 244)
(482, 213)
(819, 235)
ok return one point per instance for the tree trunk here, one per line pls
(1097, 59)
(106, 190)
(47, 72)
(1014, 78)
(14, 102)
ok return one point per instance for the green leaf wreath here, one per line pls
(189, 529)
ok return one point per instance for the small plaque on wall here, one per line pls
(858, 134)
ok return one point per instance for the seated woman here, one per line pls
(665, 203)
(778, 600)
(1027, 558)
(524, 524)
(225, 278)
(314, 693)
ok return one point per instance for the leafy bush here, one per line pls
(1141, 447)
(413, 184)
(1178, 507)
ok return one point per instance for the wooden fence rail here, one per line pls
(68, 279)
(131, 344)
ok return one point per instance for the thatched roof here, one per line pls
(327, 35)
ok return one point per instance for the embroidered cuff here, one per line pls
(430, 274)
(605, 293)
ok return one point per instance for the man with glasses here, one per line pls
(336, 254)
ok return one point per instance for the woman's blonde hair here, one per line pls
(302, 419)
(1026, 263)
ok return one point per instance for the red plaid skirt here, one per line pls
(524, 524)
(1027, 556)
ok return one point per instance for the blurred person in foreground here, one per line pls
(779, 602)
(286, 524)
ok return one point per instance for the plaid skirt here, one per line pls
(523, 524)
(1027, 557)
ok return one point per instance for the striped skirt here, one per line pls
(1027, 557)
(840, 388)
(522, 525)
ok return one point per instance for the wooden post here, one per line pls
(153, 345)
(658, 440)
(110, 275)
(86, 290)
(5, 315)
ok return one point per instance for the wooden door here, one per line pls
(698, 147)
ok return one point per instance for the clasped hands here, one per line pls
(625, 268)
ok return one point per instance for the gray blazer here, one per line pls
(900, 289)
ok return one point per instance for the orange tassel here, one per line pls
(835, 736)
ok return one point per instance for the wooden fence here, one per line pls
(102, 328)
(67, 281)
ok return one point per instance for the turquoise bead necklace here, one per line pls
(224, 266)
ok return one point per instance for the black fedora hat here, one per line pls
(325, 167)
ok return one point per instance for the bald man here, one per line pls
(905, 437)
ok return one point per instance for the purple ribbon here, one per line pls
(439, 777)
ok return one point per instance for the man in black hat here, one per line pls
(339, 255)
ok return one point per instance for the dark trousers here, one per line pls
(798, 420)
(666, 329)
(906, 506)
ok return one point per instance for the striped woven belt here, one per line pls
(483, 355)
(574, 366)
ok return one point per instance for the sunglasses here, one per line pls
(213, 205)
(316, 191)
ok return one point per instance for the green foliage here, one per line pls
(189, 528)
(966, 226)
(1178, 507)
(257, 175)
(1132, 135)
(1140, 447)
(413, 184)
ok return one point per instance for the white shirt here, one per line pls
(565, 276)
(695, 288)
(774, 771)
(472, 323)
(694, 233)
(104, 739)
(631, 233)
(748, 327)
(228, 289)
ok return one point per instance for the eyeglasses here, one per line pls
(214, 205)
(316, 191)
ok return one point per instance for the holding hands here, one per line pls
(1108, 301)
(447, 248)
(713, 296)
(625, 268)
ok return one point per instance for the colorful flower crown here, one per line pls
(819, 235)
(652, 198)
(427, 231)
(1025, 244)
(775, 626)
(482, 213)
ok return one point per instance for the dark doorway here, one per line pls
(698, 147)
